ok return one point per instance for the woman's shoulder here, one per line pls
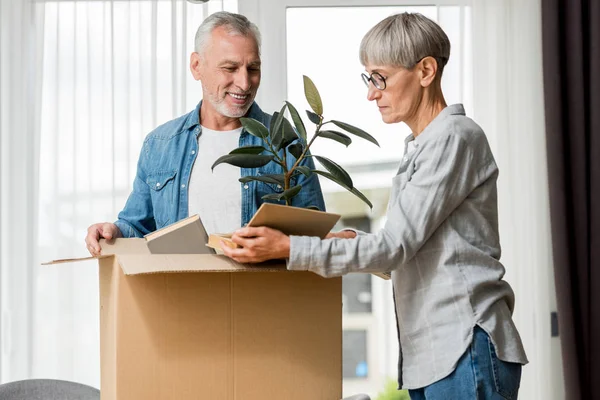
(461, 126)
(461, 135)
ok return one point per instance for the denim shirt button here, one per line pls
(183, 186)
(246, 186)
(193, 152)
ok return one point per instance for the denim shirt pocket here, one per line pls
(263, 188)
(163, 194)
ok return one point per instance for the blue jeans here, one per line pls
(479, 375)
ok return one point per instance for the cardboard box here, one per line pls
(193, 326)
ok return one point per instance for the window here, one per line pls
(328, 54)
(355, 364)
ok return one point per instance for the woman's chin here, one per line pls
(390, 119)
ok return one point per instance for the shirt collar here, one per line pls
(193, 118)
(454, 109)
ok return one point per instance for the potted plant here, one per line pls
(283, 140)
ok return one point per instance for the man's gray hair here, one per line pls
(402, 40)
(235, 24)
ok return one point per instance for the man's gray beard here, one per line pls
(224, 110)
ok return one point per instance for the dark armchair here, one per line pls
(47, 389)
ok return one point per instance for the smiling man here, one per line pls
(174, 177)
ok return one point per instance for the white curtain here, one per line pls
(509, 105)
(111, 72)
(21, 27)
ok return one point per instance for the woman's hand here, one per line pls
(258, 245)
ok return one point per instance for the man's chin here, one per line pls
(231, 110)
(236, 112)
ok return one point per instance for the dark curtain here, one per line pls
(571, 51)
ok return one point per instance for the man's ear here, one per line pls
(196, 66)
(428, 68)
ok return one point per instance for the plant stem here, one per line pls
(291, 171)
(286, 177)
(276, 154)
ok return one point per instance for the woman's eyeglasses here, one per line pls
(376, 78)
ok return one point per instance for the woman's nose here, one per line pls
(373, 93)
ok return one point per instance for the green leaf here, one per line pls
(296, 150)
(297, 121)
(337, 136)
(314, 118)
(335, 170)
(275, 120)
(243, 160)
(288, 136)
(361, 196)
(274, 179)
(356, 131)
(312, 96)
(291, 192)
(276, 125)
(254, 127)
(248, 150)
(285, 195)
(353, 190)
(303, 170)
(272, 196)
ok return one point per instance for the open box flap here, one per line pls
(135, 264)
(115, 247)
(135, 258)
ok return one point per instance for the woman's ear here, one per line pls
(428, 68)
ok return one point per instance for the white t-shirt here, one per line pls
(216, 196)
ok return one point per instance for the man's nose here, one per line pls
(242, 79)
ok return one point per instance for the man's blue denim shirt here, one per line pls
(160, 188)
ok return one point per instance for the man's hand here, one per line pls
(106, 230)
(258, 245)
(345, 234)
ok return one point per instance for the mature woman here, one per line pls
(440, 242)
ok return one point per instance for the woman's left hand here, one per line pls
(258, 245)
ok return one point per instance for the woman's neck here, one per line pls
(431, 105)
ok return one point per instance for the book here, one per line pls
(186, 236)
(214, 241)
(287, 219)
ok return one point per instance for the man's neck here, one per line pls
(211, 119)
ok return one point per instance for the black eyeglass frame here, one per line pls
(441, 61)
(369, 78)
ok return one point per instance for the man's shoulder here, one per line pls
(258, 114)
(172, 128)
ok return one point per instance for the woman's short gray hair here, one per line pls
(402, 40)
(235, 24)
